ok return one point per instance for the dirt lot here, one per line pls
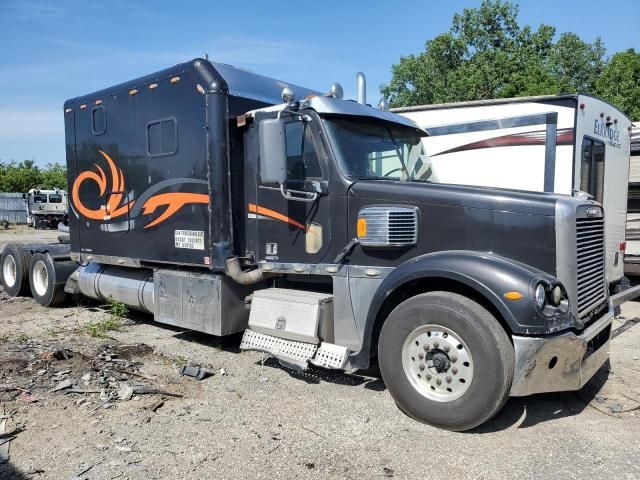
(255, 420)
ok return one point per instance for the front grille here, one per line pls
(389, 226)
(590, 264)
(403, 227)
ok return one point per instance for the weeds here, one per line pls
(117, 311)
(4, 338)
(54, 332)
(100, 329)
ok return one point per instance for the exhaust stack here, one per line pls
(362, 88)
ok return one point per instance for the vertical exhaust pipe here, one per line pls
(362, 88)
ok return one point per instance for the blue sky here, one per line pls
(53, 50)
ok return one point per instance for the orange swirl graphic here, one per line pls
(112, 209)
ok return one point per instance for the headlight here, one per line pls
(541, 296)
(556, 295)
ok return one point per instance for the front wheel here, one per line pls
(446, 360)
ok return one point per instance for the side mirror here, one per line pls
(273, 151)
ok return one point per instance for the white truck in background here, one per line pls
(484, 143)
(632, 256)
(46, 208)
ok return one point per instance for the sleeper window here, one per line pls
(162, 137)
(98, 121)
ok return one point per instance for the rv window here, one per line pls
(302, 159)
(39, 198)
(98, 121)
(592, 168)
(162, 137)
(55, 198)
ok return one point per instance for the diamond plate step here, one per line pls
(330, 355)
(292, 353)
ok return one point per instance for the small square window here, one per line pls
(162, 137)
(98, 121)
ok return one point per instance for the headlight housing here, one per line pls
(541, 296)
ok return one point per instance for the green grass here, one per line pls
(117, 309)
(100, 329)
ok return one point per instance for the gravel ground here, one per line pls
(261, 421)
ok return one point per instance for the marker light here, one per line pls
(513, 295)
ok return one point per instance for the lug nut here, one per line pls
(421, 356)
(428, 377)
(421, 366)
(436, 344)
(426, 347)
(454, 359)
(454, 370)
(448, 379)
(446, 349)
(438, 381)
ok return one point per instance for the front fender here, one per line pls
(489, 275)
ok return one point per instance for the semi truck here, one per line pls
(46, 208)
(223, 201)
(485, 142)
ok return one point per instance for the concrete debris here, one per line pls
(223, 372)
(61, 386)
(125, 392)
(196, 372)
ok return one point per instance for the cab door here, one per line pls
(293, 220)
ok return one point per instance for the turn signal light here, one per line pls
(362, 227)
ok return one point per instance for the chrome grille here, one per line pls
(389, 226)
(590, 264)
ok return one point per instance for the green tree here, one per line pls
(620, 82)
(487, 54)
(54, 176)
(22, 176)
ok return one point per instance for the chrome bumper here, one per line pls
(560, 362)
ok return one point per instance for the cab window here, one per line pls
(39, 198)
(55, 198)
(302, 158)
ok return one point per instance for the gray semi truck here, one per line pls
(223, 201)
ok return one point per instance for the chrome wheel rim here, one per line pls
(9, 270)
(40, 278)
(437, 363)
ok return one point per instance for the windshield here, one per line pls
(373, 149)
(55, 198)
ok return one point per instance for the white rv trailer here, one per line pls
(591, 153)
(632, 253)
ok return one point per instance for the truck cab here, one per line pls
(223, 201)
(46, 208)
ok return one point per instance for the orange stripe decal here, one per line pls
(253, 208)
(174, 202)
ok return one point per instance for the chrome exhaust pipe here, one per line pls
(362, 88)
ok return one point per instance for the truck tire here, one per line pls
(41, 279)
(446, 360)
(14, 266)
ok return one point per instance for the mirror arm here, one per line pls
(306, 196)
